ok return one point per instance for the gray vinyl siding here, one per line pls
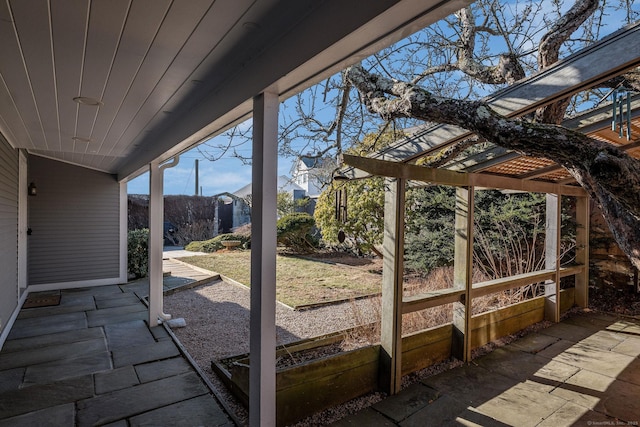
(75, 223)
(8, 231)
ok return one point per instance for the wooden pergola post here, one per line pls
(392, 278)
(462, 272)
(552, 255)
(582, 251)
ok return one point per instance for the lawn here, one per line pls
(298, 281)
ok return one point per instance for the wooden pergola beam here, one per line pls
(456, 179)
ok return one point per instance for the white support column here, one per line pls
(552, 247)
(156, 232)
(392, 279)
(462, 272)
(262, 361)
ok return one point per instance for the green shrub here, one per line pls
(295, 231)
(215, 244)
(138, 252)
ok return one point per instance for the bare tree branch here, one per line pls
(607, 173)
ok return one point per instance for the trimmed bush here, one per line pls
(138, 252)
(295, 232)
(215, 244)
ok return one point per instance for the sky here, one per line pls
(227, 174)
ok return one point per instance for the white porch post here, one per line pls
(156, 231)
(262, 361)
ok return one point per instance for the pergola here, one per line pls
(496, 168)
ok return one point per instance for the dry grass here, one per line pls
(298, 281)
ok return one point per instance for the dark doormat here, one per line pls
(41, 301)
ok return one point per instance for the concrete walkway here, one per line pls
(92, 360)
(583, 371)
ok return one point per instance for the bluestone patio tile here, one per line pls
(532, 406)
(202, 411)
(116, 379)
(116, 300)
(366, 417)
(55, 416)
(29, 399)
(165, 368)
(54, 352)
(66, 368)
(128, 334)
(403, 405)
(142, 354)
(35, 326)
(42, 341)
(132, 401)
(117, 315)
(11, 379)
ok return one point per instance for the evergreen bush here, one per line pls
(138, 252)
(295, 231)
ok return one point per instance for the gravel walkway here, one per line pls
(217, 317)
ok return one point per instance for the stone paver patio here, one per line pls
(93, 360)
(583, 371)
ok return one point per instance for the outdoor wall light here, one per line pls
(32, 190)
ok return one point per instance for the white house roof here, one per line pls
(284, 184)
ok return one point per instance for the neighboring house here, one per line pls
(312, 174)
(240, 201)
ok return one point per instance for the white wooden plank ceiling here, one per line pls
(152, 77)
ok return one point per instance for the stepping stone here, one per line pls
(199, 411)
(147, 353)
(67, 368)
(52, 339)
(128, 334)
(116, 379)
(165, 368)
(132, 401)
(62, 415)
(17, 402)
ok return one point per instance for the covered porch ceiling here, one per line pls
(114, 84)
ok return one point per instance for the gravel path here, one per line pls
(217, 317)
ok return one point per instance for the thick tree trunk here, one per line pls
(607, 173)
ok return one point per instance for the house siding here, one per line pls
(8, 231)
(75, 223)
